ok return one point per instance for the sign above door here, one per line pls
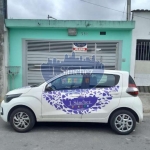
(79, 47)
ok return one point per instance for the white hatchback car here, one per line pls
(77, 96)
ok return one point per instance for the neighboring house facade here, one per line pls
(33, 43)
(140, 57)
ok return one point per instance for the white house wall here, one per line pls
(142, 73)
(140, 70)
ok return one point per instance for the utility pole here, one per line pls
(3, 16)
(128, 10)
(5, 9)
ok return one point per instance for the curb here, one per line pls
(146, 114)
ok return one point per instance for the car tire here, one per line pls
(123, 122)
(22, 119)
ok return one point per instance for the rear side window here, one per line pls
(104, 80)
(131, 82)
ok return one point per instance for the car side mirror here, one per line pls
(48, 87)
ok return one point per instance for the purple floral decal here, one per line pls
(80, 101)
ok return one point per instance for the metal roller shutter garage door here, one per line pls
(57, 52)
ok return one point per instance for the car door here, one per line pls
(61, 98)
(103, 95)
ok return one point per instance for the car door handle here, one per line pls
(74, 95)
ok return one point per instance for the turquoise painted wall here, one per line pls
(16, 36)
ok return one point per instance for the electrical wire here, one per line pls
(112, 9)
(124, 10)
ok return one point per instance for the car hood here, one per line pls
(20, 90)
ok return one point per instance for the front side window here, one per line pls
(67, 82)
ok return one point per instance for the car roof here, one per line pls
(94, 71)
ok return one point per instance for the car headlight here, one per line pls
(8, 98)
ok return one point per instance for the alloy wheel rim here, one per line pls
(123, 123)
(21, 120)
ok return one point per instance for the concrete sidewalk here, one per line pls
(145, 97)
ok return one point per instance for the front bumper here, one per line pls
(4, 111)
(1, 111)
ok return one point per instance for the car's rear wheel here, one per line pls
(123, 122)
(22, 119)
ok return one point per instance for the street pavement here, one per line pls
(74, 136)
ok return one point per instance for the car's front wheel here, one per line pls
(123, 122)
(22, 119)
